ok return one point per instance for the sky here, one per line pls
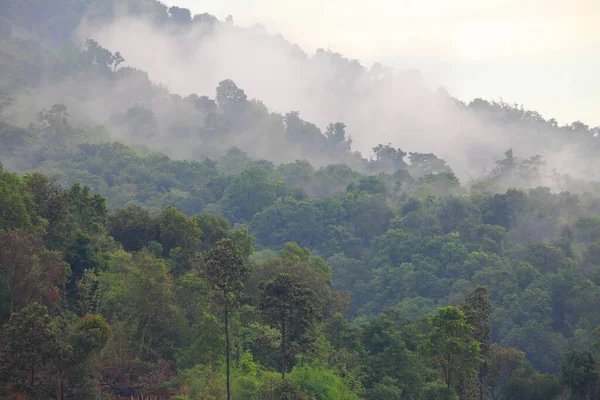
(543, 54)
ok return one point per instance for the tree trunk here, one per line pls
(228, 351)
(283, 349)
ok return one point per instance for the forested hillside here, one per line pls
(204, 246)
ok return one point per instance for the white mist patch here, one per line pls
(376, 106)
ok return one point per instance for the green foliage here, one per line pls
(177, 231)
(277, 389)
(579, 372)
(32, 350)
(29, 272)
(133, 227)
(90, 335)
(226, 270)
(451, 346)
(248, 193)
(160, 308)
(213, 227)
(15, 203)
(137, 290)
(287, 304)
(478, 312)
(89, 211)
(453, 289)
(321, 384)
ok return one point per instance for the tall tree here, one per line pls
(452, 346)
(227, 271)
(289, 305)
(478, 311)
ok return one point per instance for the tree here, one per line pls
(390, 359)
(81, 256)
(87, 211)
(55, 126)
(314, 274)
(213, 227)
(369, 184)
(117, 60)
(179, 237)
(336, 136)
(289, 305)
(227, 271)
(422, 164)
(16, 207)
(387, 158)
(133, 227)
(579, 371)
(32, 351)
(180, 15)
(98, 56)
(506, 165)
(139, 121)
(137, 291)
(28, 271)
(274, 389)
(451, 345)
(84, 290)
(88, 336)
(248, 193)
(230, 97)
(51, 203)
(243, 241)
(45, 358)
(478, 313)
(203, 103)
(503, 365)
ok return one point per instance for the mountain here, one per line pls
(180, 241)
(190, 55)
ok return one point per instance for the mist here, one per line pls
(397, 109)
(377, 105)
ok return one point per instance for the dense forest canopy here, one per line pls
(193, 242)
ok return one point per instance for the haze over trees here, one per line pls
(205, 246)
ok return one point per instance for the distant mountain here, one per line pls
(277, 88)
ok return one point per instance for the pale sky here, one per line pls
(544, 54)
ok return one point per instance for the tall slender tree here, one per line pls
(227, 271)
(478, 312)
